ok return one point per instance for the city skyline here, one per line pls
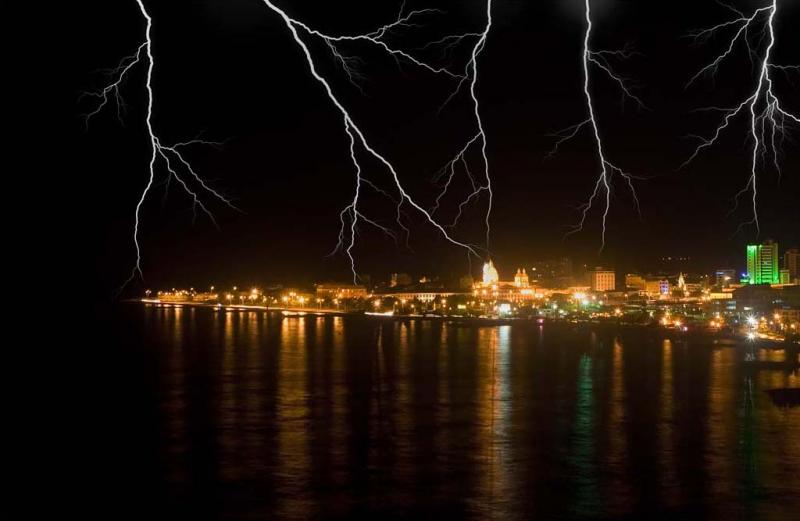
(286, 168)
(553, 269)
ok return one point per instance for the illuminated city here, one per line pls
(721, 303)
(404, 260)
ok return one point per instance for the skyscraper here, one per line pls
(762, 263)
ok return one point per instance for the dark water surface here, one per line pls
(259, 416)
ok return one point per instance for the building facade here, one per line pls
(762, 263)
(341, 291)
(492, 288)
(635, 282)
(657, 288)
(603, 280)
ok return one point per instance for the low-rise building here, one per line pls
(635, 282)
(421, 295)
(657, 288)
(341, 291)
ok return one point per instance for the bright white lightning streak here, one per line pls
(377, 38)
(603, 185)
(481, 132)
(766, 112)
(354, 131)
(168, 153)
(121, 72)
(471, 74)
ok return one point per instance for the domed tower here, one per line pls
(490, 275)
(521, 278)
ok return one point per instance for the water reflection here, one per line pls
(669, 485)
(583, 458)
(295, 417)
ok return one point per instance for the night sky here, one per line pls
(230, 70)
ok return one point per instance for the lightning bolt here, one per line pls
(470, 75)
(767, 116)
(351, 215)
(177, 167)
(608, 170)
(175, 163)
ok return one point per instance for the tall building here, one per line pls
(791, 259)
(602, 279)
(490, 275)
(762, 263)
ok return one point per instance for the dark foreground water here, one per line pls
(256, 416)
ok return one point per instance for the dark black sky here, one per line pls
(229, 69)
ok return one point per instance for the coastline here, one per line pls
(295, 312)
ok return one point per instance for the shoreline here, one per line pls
(294, 312)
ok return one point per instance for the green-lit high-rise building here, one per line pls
(762, 263)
